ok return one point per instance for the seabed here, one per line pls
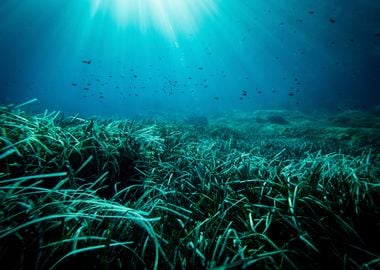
(260, 190)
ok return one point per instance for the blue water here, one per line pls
(120, 58)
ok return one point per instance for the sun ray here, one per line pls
(169, 17)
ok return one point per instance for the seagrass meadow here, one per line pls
(264, 190)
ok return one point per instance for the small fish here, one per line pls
(200, 68)
(74, 84)
(332, 20)
(377, 34)
(259, 92)
(86, 88)
(87, 62)
(291, 94)
(311, 12)
(216, 98)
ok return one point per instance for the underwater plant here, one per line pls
(164, 195)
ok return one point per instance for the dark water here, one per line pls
(127, 58)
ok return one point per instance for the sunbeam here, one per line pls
(166, 16)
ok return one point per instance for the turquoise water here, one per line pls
(272, 160)
(171, 57)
